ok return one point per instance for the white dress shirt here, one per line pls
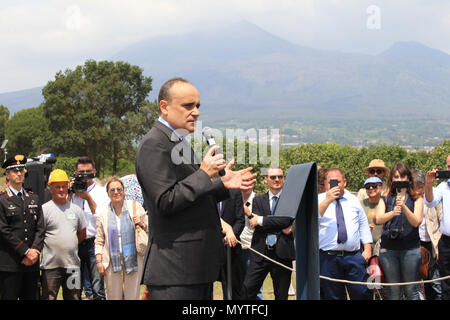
(355, 222)
(247, 233)
(271, 195)
(442, 193)
(99, 195)
(423, 233)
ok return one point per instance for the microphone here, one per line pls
(207, 133)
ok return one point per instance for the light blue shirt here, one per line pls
(442, 193)
(17, 191)
(167, 124)
(355, 222)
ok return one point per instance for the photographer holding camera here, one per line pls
(89, 197)
(343, 228)
(401, 212)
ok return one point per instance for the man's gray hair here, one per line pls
(418, 176)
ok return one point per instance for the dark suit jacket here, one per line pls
(233, 214)
(284, 248)
(185, 240)
(21, 228)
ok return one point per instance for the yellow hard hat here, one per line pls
(58, 175)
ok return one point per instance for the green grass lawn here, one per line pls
(217, 291)
(267, 289)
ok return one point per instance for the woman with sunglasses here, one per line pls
(376, 169)
(115, 244)
(373, 187)
(401, 213)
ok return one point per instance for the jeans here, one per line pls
(401, 266)
(86, 252)
(86, 285)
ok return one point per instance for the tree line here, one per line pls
(100, 109)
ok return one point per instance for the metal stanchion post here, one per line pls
(229, 279)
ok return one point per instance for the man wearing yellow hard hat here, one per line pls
(21, 235)
(64, 224)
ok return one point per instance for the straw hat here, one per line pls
(377, 164)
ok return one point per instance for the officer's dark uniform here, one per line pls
(21, 228)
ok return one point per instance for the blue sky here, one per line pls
(41, 37)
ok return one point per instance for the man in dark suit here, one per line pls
(185, 248)
(273, 238)
(21, 235)
(232, 212)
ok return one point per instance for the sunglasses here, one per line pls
(274, 177)
(372, 186)
(85, 171)
(378, 171)
(112, 190)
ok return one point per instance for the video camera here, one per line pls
(36, 178)
(79, 185)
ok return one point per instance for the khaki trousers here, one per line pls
(122, 286)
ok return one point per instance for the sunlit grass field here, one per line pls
(218, 295)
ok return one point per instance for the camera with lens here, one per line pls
(79, 183)
(37, 174)
(395, 233)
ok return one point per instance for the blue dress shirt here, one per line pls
(355, 221)
(442, 193)
(167, 124)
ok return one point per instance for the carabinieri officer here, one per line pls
(21, 235)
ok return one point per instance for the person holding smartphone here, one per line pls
(432, 198)
(401, 214)
(343, 226)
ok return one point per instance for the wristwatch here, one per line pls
(98, 261)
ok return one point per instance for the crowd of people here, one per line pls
(193, 211)
(396, 217)
(80, 240)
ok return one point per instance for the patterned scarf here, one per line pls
(129, 254)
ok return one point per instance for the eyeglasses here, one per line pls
(372, 186)
(85, 171)
(112, 190)
(448, 166)
(378, 171)
(274, 177)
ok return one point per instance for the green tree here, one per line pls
(90, 109)
(26, 130)
(4, 116)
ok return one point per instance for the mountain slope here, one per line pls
(244, 71)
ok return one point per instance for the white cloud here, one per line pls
(42, 37)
